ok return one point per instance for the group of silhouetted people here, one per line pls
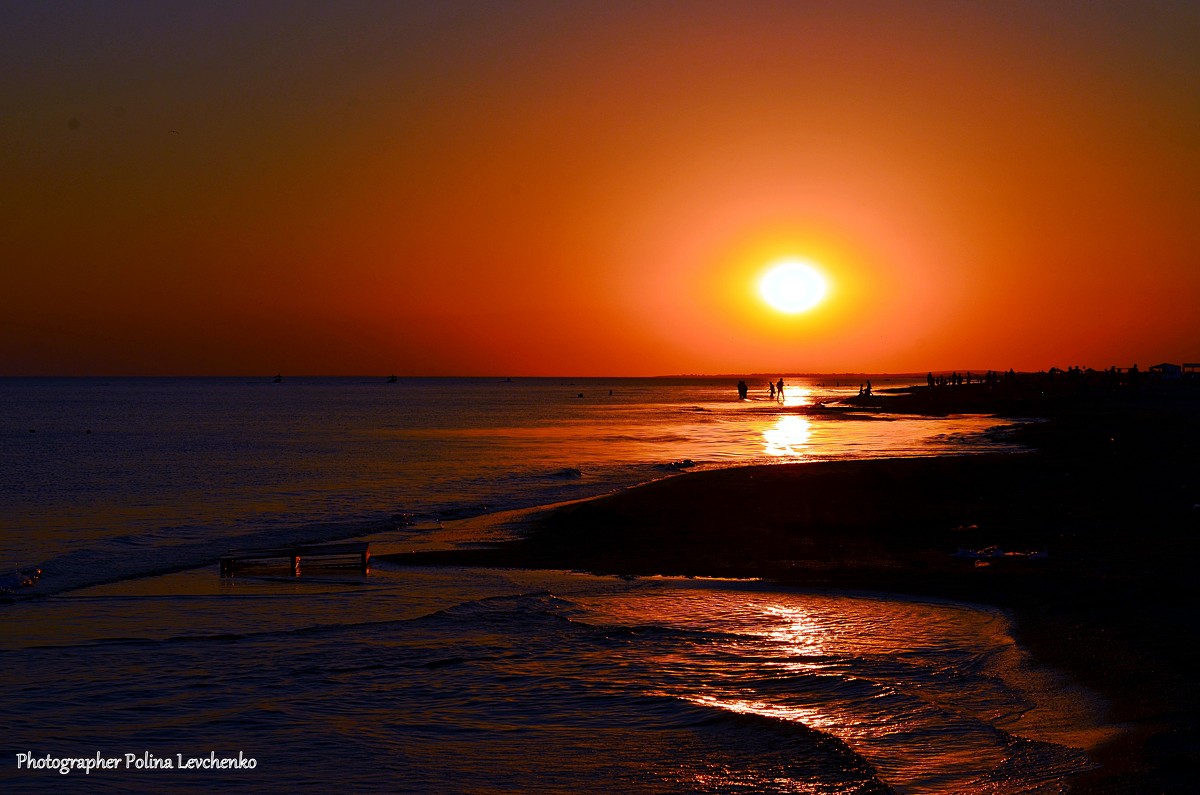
(1071, 379)
(1073, 376)
(775, 390)
(955, 379)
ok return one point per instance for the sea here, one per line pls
(130, 665)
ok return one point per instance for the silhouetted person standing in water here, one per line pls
(779, 389)
(742, 390)
(771, 387)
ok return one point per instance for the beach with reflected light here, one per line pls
(645, 685)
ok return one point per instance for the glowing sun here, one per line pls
(792, 286)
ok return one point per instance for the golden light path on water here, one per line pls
(795, 641)
(787, 437)
(927, 693)
(802, 638)
(796, 396)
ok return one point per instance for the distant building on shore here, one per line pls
(1167, 371)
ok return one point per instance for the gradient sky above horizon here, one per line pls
(577, 188)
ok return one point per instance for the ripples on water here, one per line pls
(485, 681)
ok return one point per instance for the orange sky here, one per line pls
(593, 188)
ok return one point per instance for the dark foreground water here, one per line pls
(443, 680)
(483, 681)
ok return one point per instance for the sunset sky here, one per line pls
(576, 188)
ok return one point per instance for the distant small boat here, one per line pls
(278, 379)
(391, 379)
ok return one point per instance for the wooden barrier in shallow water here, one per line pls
(359, 550)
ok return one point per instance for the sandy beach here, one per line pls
(1088, 540)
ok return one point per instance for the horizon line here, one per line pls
(385, 376)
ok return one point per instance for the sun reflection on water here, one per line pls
(797, 396)
(788, 437)
(911, 689)
(793, 628)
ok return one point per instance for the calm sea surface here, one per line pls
(125, 491)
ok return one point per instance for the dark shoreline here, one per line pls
(1106, 501)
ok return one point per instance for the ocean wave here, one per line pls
(676, 466)
(115, 559)
(788, 743)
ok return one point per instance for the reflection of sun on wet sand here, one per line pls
(1106, 500)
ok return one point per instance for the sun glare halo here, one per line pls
(792, 286)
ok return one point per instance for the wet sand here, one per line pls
(1102, 515)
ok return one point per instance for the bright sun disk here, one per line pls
(792, 286)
